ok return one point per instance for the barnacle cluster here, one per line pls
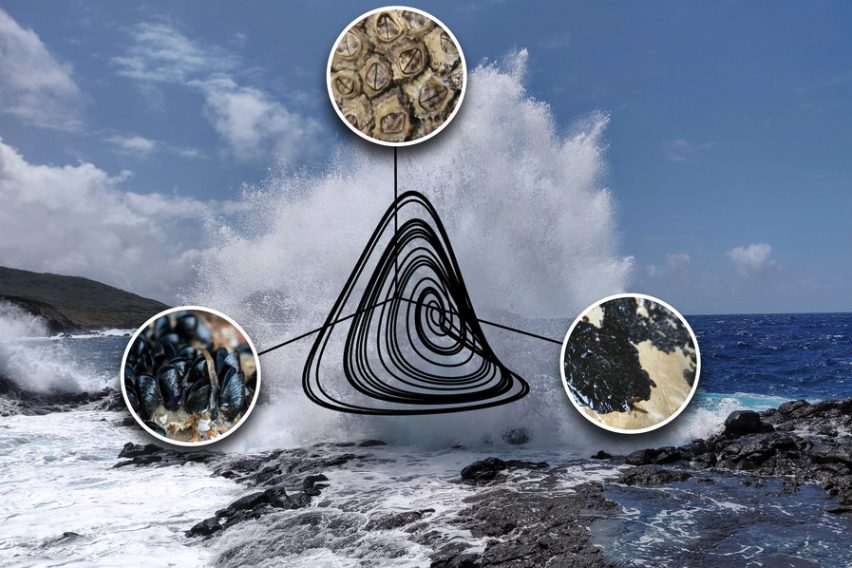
(190, 376)
(396, 75)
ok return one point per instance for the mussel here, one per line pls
(148, 394)
(179, 385)
(232, 396)
(170, 386)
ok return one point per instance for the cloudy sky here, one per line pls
(128, 130)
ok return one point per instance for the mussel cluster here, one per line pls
(396, 75)
(189, 382)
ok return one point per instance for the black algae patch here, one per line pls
(602, 365)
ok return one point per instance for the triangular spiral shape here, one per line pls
(403, 331)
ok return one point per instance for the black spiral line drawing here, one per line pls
(403, 330)
(412, 343)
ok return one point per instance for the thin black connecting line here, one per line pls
(350, 316)
(413, 344)
(319, 329)
(486, 322)
(396, 289)
(399, 358)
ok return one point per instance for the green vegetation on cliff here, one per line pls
(69, 302)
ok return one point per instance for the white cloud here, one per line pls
(682, 150)
(159, 52)
(140, 146)
(80, 220)
(673, 262)
(133, 144)
(753, 258)
(251, 122)
(34, 86)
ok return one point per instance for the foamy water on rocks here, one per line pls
(62, 503)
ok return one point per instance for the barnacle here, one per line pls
(396, 75)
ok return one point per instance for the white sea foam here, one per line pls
(526, 211)
(16, 323)
(58, 477)
(33, 361)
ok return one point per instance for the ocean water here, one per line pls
(58, 477)
(788, 356)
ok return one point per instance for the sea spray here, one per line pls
(37, 363)
(526, 212)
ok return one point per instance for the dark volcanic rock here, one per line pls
(205, 528)
(531, 526)
(488, 470)
(800, 441)
(601, 455)
(652, 476)
(312, 485)
(279, 475)
(516, 436)
(64, 538)
(450, 559)
(742, 422)
(254, 505)
(29, 403)
(396, 520)
(667, 454)
(152, 454)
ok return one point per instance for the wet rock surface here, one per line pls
(800, 441)
(514, 513)
(16, 400)
(158, 456)
(281, 479)
(652, 476)
(490, 470)
(530, 525)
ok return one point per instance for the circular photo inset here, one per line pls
(630, 363)
(190, 376)
(396, 76)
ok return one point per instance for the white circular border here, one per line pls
(407, 142)
(142, 422)
(647, 428)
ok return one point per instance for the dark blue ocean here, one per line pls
(774, 357)
(783, 356)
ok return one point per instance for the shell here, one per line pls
(359, 113)
(392, 118)
(198, 370)
(232, 397)
(149, 395)
(169, 378)
(226, 360)
(418, 24)
(198, 396)
(346, 84)
(376, 75)
(170, 386)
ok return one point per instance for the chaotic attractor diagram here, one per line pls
(403, 337)
(403, 330)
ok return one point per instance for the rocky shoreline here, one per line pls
(799, 442)
(523, 511)
(17, 400)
